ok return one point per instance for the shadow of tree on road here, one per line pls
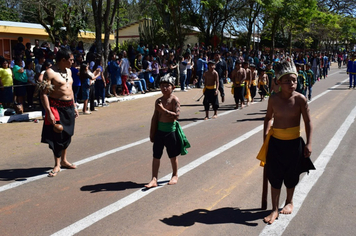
(226, 215)
(22, 174)
(117, 186)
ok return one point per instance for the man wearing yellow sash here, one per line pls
(166, 131)
(254, 78)
(211, 85)
(248, 82)
(284, 153)
(238, 77)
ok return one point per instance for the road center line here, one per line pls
(306, 184)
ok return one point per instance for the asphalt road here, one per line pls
(220, 183)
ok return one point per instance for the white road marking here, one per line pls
(116, 206)
(306, 184)
(100, 155)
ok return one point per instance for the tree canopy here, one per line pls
(315, 24)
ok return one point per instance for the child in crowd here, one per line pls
(284, 153)
(166, 131)
(139, 82)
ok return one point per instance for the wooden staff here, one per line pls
(264, 190)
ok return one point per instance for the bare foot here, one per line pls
(152, 184)
(287, 209)
(206, 118)
(272, 217)
(173, 180)
(214, 116)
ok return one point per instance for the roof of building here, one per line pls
(36, 29)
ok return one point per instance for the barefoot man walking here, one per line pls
(210, 91)
(58, 100)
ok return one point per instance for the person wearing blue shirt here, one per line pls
(351, 70)
(200, 69)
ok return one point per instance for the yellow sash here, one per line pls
(262, 83)
(282, 134)
(209, 87)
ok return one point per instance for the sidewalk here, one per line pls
(26, 116)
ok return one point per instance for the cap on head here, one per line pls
(167, 78)
(284, 68)
(211, 62)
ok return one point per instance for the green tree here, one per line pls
(104, 13)
(8, 10)
(61, 19)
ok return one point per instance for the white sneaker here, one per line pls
(188, 88)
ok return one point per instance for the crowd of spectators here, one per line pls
(135, 69)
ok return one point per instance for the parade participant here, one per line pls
(315, 65)
(238, 77)
(270, 74)
(221, 68)
(284, 153)
(301, 80)
(58, 101)
(210, 91)
(248, 82)
(351, 70)
(262, 83)
(166, 132)
(254, 78)
(310, 80)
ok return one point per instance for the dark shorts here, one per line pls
(59, 142)
(286, 161)
(168, 140)
(210, 98)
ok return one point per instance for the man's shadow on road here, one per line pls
(22, 174)
(226, 215)
(115, 186)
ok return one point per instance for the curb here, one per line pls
(26, 116)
